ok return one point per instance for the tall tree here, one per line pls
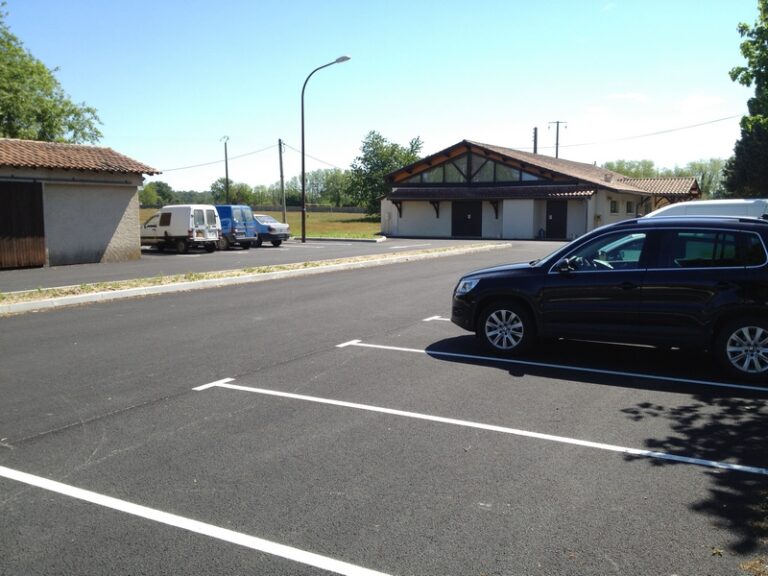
(378, 158)
(157, 193)
(239, 192)
(746, 173)
(33, 105)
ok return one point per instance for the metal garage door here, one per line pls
(22, 234)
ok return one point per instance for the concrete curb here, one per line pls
(78, 299)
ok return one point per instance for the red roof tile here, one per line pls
(56, 155)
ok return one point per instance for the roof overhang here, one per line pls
(431, 193)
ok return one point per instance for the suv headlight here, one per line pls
(465, 285)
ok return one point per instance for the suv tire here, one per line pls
(506, 327)
(741, 348)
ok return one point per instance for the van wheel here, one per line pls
(210, 247)
(506, 327)
(224, 243)
(276, 243)
(741, 348)
(257, 243)
(181, 246)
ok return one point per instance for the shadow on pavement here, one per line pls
(716, 423)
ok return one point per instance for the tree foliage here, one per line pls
(239, 192)
(156, 194)
(33, 105)
(633, 168)
(378, 158)
(746, 173)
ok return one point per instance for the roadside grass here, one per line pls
(318, 224)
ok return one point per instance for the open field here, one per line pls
(322, 224)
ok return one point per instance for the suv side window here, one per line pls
(710, 249)
(617, 251)
(754, 250)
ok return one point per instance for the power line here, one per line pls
(220, 161)
(313, 158)
(678, 129)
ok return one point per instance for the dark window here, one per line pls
(708, 249)
(754, 250)
(165, 219)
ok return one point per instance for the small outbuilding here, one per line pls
(474, 190)
(67, 204)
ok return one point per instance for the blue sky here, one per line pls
(170, 78)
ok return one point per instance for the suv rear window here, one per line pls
(710, 249)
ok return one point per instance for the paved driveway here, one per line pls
(154, 263)
(339, 424)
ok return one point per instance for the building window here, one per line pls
(630, 207)
(484, 173)
(614, 206)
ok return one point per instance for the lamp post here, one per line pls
(338, 60)
(225, 139)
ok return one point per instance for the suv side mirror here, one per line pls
(564, 266)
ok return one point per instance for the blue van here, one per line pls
(238, 226)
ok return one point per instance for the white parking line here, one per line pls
(266, 546)
(440, 318)
(493, 428)
(497, 359)
(405, 246)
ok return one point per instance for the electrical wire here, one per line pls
(623, 139)
(312, 157)
(220, 161)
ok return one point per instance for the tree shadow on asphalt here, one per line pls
(719, 424)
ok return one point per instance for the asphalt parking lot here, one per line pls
(340, 424)
(155, 263)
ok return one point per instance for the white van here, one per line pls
(182, 226)
(754, 208)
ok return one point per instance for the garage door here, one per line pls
(22, 235)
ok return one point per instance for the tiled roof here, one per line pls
(585, 172)
(490, 193)
(674, 186)
(55, 155)
(588, 175)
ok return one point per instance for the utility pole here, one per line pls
(557, 136)
(535, 139)
(226, 169)
(282, 178)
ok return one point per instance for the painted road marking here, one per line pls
(492, 428)
(440, 318)
(259, 544)
(406, 246)
(497, 360)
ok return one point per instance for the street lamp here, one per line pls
(225, 139)
(338, 60)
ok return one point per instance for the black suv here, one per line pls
(683, 282)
